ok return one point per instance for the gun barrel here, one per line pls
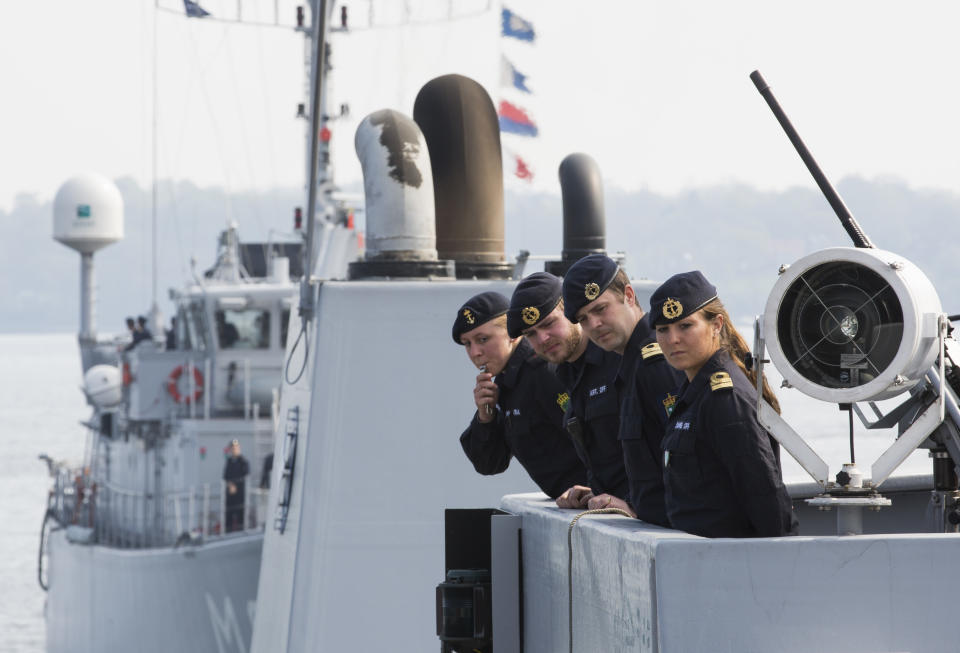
(849, 223)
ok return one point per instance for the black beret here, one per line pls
(585, 281)
(680, 296)
(478, 310)
(534, 299)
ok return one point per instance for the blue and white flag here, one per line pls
(194, 10)
(516, 27)
(510, 76)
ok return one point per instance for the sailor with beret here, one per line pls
(592, 416)
(520, 401)
(721, 468)
(597, 294)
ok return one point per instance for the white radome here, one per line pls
(88, 213)
(104, 385)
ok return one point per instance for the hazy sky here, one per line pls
(658, 93)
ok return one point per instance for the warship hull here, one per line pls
(190, 598)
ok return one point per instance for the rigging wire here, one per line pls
(364, 28)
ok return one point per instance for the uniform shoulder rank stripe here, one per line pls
(719, 380)
(653, 349)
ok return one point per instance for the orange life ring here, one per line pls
(175, 391)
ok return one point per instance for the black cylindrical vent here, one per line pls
(460, 124)
(584, 224)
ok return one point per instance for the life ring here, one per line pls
(174, 390)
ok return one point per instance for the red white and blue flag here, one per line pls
(514, 120)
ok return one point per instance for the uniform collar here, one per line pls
(717, 363)
(641, 334)
(510, 373)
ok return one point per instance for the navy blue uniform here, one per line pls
(528, 425)
(593, 418)
(721, 468)
(648, 387)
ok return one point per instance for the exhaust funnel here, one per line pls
(463, 135)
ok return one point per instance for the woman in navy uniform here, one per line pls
(721, 468)
(520, 402)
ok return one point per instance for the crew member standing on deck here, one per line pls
(235, 473)
(721, 468)
(592, 417)
(597, 294)
(520, 402)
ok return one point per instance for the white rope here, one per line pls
(600, 511)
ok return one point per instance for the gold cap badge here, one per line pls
(672, 309)
(720, 380)
(469, 315)
(530, 315)
(591, 291)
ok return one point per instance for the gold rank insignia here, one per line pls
(530, 315)
(653, 349)
(469, 315)
(672, 309)
(563, 400)
(591, 291)
(669, 403)
(719, 380)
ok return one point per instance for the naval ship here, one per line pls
(391, 541)
(149, 544)
(379, 534)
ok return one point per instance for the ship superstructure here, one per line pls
(151, 544)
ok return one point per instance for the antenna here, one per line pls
(849, 223)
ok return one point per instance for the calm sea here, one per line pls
(41, 405)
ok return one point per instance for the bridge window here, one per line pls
(243, 329)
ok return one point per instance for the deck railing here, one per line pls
(130, 519)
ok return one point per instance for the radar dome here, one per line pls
(88, 213)
(104, 385)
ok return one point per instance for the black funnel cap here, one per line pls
(462, 130)
(584, 224)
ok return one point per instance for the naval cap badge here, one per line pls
(672, 309)
(530, 315)
(591, 291)
(468, 314)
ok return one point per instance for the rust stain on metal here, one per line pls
(402, 139)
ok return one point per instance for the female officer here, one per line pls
(721, 472)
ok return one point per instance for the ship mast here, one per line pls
(318, 150)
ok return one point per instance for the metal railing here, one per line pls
(132, 519)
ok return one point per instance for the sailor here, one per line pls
(597, 294)
(171, 334)
(721, 468)
(132, 327)
(592, 416)
(520, 402)
(143, 333)
(235, 473)
(227, 333)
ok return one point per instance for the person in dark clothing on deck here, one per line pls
(143, 333)
(592, 416)
(520, 402)
(721, 468)
(235, 474)
(597, 294)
